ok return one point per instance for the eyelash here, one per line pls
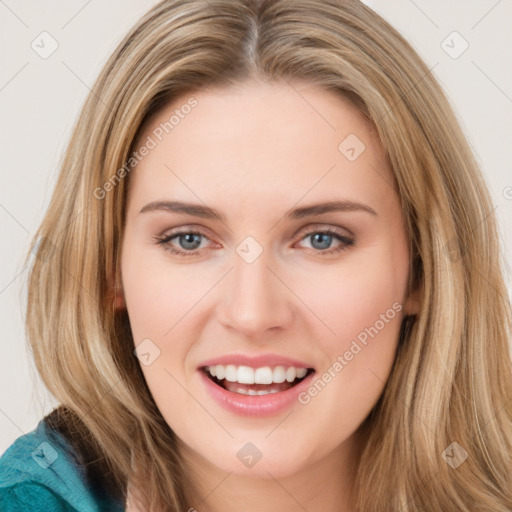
(347, 241)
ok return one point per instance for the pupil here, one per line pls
(322, 237)
(189, 238)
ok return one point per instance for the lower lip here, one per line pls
(270, 404)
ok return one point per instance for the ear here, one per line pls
(412, 303)
(115, 294)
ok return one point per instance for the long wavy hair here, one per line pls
(449, 395)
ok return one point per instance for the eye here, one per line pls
(190, 241)
(322, 239)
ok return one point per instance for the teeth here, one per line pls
(231, 373)
(279, 374)
(242, 391)
(245, 375)
(291, 374)
(220, 371)
(301, 372)
(263, 375)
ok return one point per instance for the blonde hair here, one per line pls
(452, 377)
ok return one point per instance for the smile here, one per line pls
(264, 380)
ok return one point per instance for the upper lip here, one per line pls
(255, 361)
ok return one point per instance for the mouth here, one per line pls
(265, 380)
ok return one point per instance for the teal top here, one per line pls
(39, 472)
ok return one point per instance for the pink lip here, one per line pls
(255, 361)
(255, 405)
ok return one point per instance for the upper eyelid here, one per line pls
(305, 231)
(203, 230)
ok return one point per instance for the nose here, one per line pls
(256, 299)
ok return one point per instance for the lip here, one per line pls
(271, 404)
(255, 361)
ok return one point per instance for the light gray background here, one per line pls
(40, 99)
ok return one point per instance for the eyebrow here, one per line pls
(206, 212)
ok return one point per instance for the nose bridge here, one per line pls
(255, 300)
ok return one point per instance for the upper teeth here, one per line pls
(263, 375)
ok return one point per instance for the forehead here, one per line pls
(261, 140)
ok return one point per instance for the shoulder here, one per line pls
(40, 471)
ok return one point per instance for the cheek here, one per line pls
(362, 303)
(163, 300)
(351, 298)
(158, 297)
(158, 294)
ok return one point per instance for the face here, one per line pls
(264, 243)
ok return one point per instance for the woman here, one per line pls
(269, 278)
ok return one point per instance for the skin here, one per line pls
(253, 152)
